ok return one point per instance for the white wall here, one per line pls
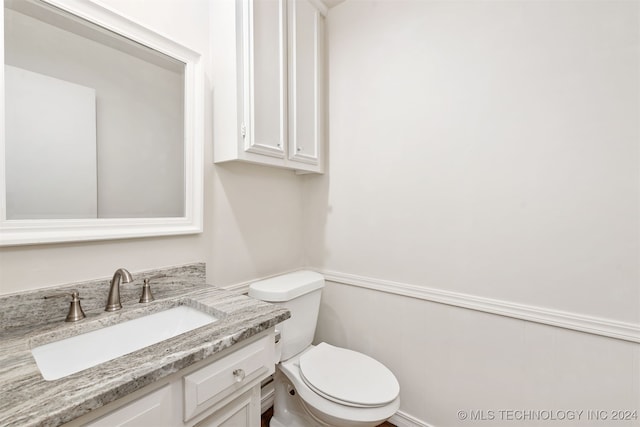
(483, 149)
(48, 119)
(239, 201)
(449, 359)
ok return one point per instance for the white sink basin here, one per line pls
(70, 355)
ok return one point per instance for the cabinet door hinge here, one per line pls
(243, 130)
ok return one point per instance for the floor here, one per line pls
(267, 416)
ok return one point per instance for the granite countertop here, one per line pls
(26, 399)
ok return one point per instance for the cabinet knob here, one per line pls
(238, 374)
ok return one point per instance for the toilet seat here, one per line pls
(330, 411)
(347, 377)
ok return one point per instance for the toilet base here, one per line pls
(288, 409)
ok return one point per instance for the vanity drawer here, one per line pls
(209, 385)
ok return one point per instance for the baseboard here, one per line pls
(562, 319)
(401, 419)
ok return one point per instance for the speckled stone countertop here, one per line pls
(26, 399)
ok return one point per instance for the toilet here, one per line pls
(321, 385)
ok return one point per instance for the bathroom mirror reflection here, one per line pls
(93, 121)
(100, 124)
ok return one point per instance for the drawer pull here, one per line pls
(238, 375)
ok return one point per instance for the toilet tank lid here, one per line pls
(287, 286)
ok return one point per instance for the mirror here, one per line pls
(102, 127)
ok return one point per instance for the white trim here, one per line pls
(402, 419)
(243, 287)
(562, 319)
(321, 6)
(3, 196)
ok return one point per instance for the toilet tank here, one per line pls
(300, 293)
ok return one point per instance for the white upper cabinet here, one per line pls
(264, 76)
(268, 78)
(305, 74)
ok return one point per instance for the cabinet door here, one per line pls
(264, 75)
(153, 409)
(305, 76)
(244, 411)
(206, 387)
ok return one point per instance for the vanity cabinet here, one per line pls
(212, 386)
(268, 63)
(153, 409)
(223, 390)
(243, 411)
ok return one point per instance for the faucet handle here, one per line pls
(75, 309)
(146, 288)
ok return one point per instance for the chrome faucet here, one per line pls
(113, 301)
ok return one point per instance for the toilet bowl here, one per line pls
(334, 399)
(321, 385)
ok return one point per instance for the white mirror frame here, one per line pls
(24, 232)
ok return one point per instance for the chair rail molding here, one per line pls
(562, 319)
